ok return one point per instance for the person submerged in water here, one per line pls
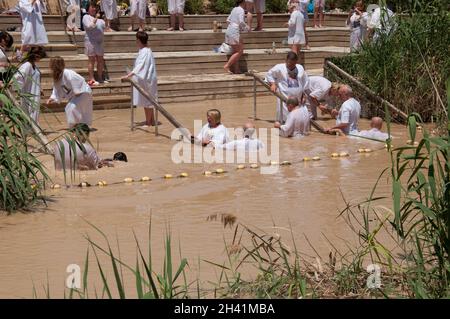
(74, 152)
(375, 133)
(247, 143)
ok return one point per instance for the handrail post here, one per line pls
(254, 99)
(132, 108)
(156, 120)
(281, 111)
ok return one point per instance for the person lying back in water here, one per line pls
(375, 133)
(247, 143)
(75, 152)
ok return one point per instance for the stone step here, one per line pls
(192, 22)
(199, 40)
(199, 62)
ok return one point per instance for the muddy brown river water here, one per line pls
(37, 247)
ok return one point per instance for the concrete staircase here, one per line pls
(188, 68)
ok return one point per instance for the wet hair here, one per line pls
(81, 130)
(292, 56)
(7, 38)
(292, 100)
(57, 66)
(142, 36)
(238, 2)
(120, 156)
(215, 114)
(36, 52)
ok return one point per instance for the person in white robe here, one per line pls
(176, 9)
(73, 10)
(322, 94)
(348, 115)
(71, 86)
(296, 33)
(298, 121)
(248, 143)
(28, 82)
(289, 79)
(93, 43)
(213, 133)
(74, 152)
(381, 22)
(144, 73)
(33, 29)
(302, 6)
(109, 7)
(375, 133)
(236, 24)
(138, 11)
(357, 22)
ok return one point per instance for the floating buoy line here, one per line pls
(220, 171)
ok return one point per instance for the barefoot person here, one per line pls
(176, 9)
(93, 42)
(348, 115)
(144, 72)
(213, 133)
(319, 9)
(297, 122)
(290, 79)
(33, 29)
(67, 84)
(357, 22)
(138, 13)
(28, 81)
(296, 33)
(236, 24)
(260, 8)
(73, 22)
(109, 7)
(302, 6)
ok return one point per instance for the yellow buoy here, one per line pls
(306, 159)
(145, 179)
(367, 150)
(316, 158)
(285, 163)
(128, 180)
(361, 150)
(219, 171)
(168, 176)
(207, 173)
(334, 155)
(419, 128)
(104, 183)
(100, 183)
(273, 163)
(54, 186)
(240, 166)
(184, 175)
(343, 154)
(84, 184)
(254, 165)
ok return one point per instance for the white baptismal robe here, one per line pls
(74, 88)
(247, 144)
(33, 29)
(297, 123)
(29, 82)
(318, 88)
(279, 75)
(296, 33)
(138, 9)
(71, 5)
(72, 157)
(217, 135)
(381, 21)
(357, 25)
(145, 75)
(349, 113)
(236, 24)
(373, 133)
(109, 7)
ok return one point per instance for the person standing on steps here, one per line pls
(33, 29)
(109, 7)
(176, 9)
(138, 11)
(93, 42)
(357, 22)
(236, 24)
(144, 73)
(319, 9)
(296, 34)
(302, 6)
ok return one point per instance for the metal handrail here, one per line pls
(158, 108)
(283, 98)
